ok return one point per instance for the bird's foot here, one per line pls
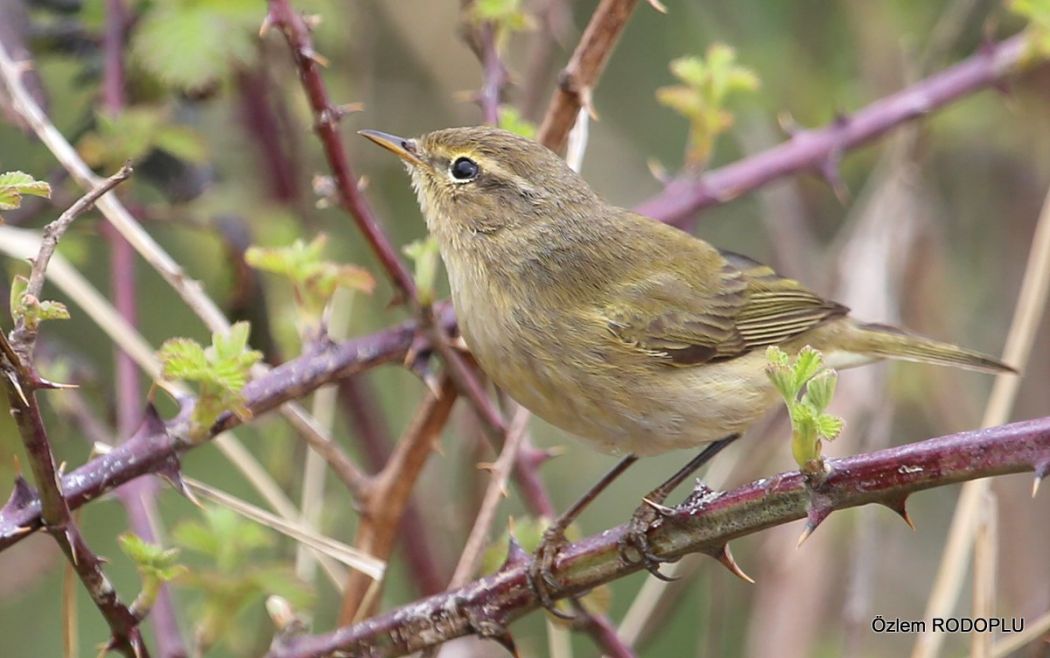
(541, 570)
(635, 547)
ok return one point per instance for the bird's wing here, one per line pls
(688, 314)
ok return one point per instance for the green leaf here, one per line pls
(314, 278)
(151, 559)
(191, 44)
(33, 311)
(16, 184)
(828, 427)
(778, 369)
(821, 388)
(507, 16)
(807, 364)
(220, 371)
(183, 358)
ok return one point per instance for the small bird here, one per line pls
(626, 332)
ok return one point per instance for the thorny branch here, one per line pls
(153, 450)
(327, 117)
(705, 523)
(21, 383)
(581, 74)
(821, 149)
(23, 337)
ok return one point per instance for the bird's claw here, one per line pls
(541, 570)
(636, 539)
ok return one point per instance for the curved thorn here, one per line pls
(726, 559)
(898, 506)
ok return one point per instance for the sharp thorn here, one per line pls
(658, 6)
(1042, 469)
(18, 388)
(788, 124)
(818, 511)
(806, 532)
(900, 508)
(21, 495)
(516, 555)
(658, 508)
(725, 557)
(587, 102)
(506, 641)
(267, 23)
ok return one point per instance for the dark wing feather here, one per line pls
(714, 313)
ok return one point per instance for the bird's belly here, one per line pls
(642, 410)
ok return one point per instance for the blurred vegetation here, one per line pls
(221, 132)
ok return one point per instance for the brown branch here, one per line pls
(387, 498)
(363, 414)
(327, 117)
(579, 77)
(818, 149)
(21, 383)
(705, 523)
(157, 451)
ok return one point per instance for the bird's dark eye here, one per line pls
(464, 169)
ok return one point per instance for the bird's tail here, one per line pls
(879, 340)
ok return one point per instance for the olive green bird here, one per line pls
(631, 334)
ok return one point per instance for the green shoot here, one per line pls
(220, 372)
(31, 310)
(706, 83)
(237, 575)
(807, 388)
(155, 565)
(314, 279)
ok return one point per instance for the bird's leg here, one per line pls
(541, 570)
(652, 508)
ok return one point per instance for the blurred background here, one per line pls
(933, 234)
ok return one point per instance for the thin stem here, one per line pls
(326, 117)
(23, 337)
(496, 491)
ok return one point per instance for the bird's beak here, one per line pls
(399, 146)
